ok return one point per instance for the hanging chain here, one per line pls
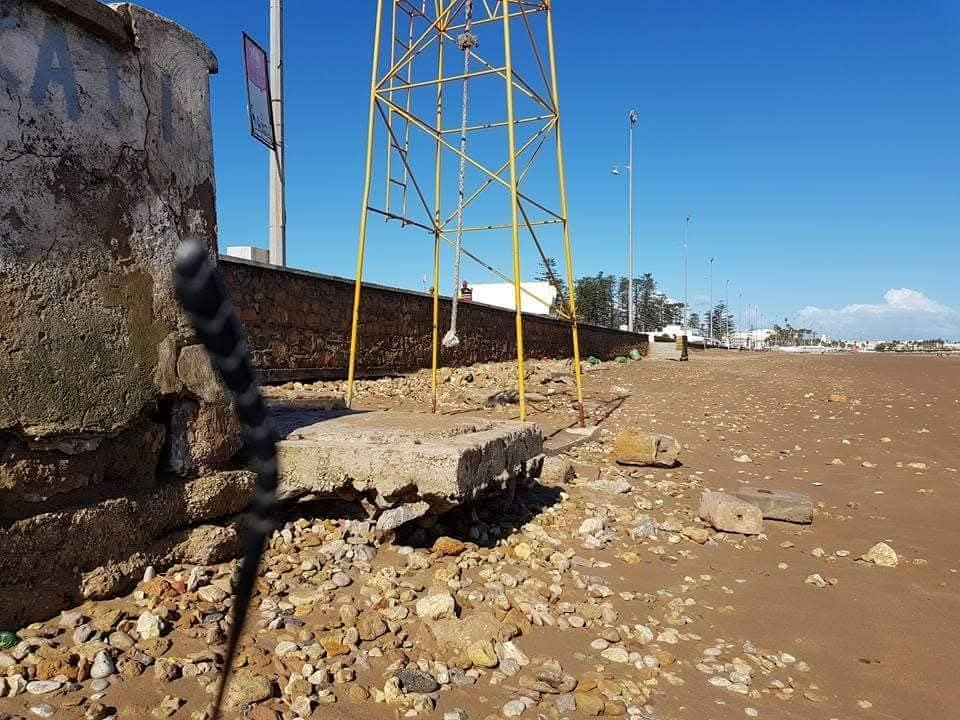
(466, 41)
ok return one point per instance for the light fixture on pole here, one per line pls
(633, 117)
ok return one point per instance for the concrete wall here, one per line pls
(298, 327)
(106, 163)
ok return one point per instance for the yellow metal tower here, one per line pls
(482, 62)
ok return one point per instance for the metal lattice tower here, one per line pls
(491, 65)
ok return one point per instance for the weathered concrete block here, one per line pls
(634, 446)
(730, 514)
(397, 457)
(779, 504)
(203, 436)
(107, 166)
(44, 558)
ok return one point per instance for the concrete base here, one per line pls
(779, 504)
(394, 458)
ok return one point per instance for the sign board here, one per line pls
(258, 92)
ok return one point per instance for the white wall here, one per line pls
(501, 295)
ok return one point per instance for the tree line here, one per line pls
(603, 300)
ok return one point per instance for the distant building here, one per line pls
(249, 252)
(502, 295)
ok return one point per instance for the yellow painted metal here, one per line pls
(514, 212)
(368, 177)
(392, 95)
(435, 373)
(567, 250)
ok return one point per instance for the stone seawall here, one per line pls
(298, 327)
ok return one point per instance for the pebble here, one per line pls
(514, 708)
(417, 681)
(103, 666)
(42, 687)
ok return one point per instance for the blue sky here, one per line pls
(817, 145)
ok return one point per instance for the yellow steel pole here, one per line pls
(514, 204)
(368, 173)
(435, 374)
(567, 251)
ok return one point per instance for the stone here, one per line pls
(780, 505)
(102, 666)
(557, 471)
(455, 714)
(592, 526)
(514, 708)
(482, 654)
(449, 547)
(837, 398)
(611, 487)
(392, 518)
(730, 514)
(881, 554)
(371, 627)
(634, 446)
(43, 687)
(697, 534)
(616, 654)
(149, 625)
(436, 607)
(212, 594)
(592, 705)
(403, 457)
(417, 681)
(461, 633)
(246, 688)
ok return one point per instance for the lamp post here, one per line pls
(710, 313)
(686, 226)
(726, 310)
(740, 318)
(278, 204)
(632, 118)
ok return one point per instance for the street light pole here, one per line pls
(630, 315)
(740, 317)
(686, 225)
(710, 314)
(278, 206)
(726, 310)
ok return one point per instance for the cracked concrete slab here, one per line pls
(394, 458)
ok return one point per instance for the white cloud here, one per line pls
(904, 314)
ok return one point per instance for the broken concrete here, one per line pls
(780, 505)
(634, 446)
(393, 458)
(731, 514)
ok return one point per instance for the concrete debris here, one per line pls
(730, 514)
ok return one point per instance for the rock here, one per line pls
(881, 554)
(42, 687)
(509, 667)
(393, 518)
(634, 446)
(592, 526)
(341, 579)
(449, 547)
(514, 708)
(371, 627)
(97, 711)
(436, 607)
(616, 654)
(697, 534)
(482, 654)
(589, 704)
(779, 504)
(43, 710)
(149, 625)
(455, 714)
(417, 681)
(644, 528)
(460, 634)
(566, 703)
(612, 487)
(557, 471)
(743, 458)
(246, 688)
(837, 398)
(358, 694)
(102, 666)
(730, 514)
(211, 594)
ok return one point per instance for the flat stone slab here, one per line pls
(394, 458)
(779, 504)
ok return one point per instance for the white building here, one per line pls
(502, 295)
(249, 252)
